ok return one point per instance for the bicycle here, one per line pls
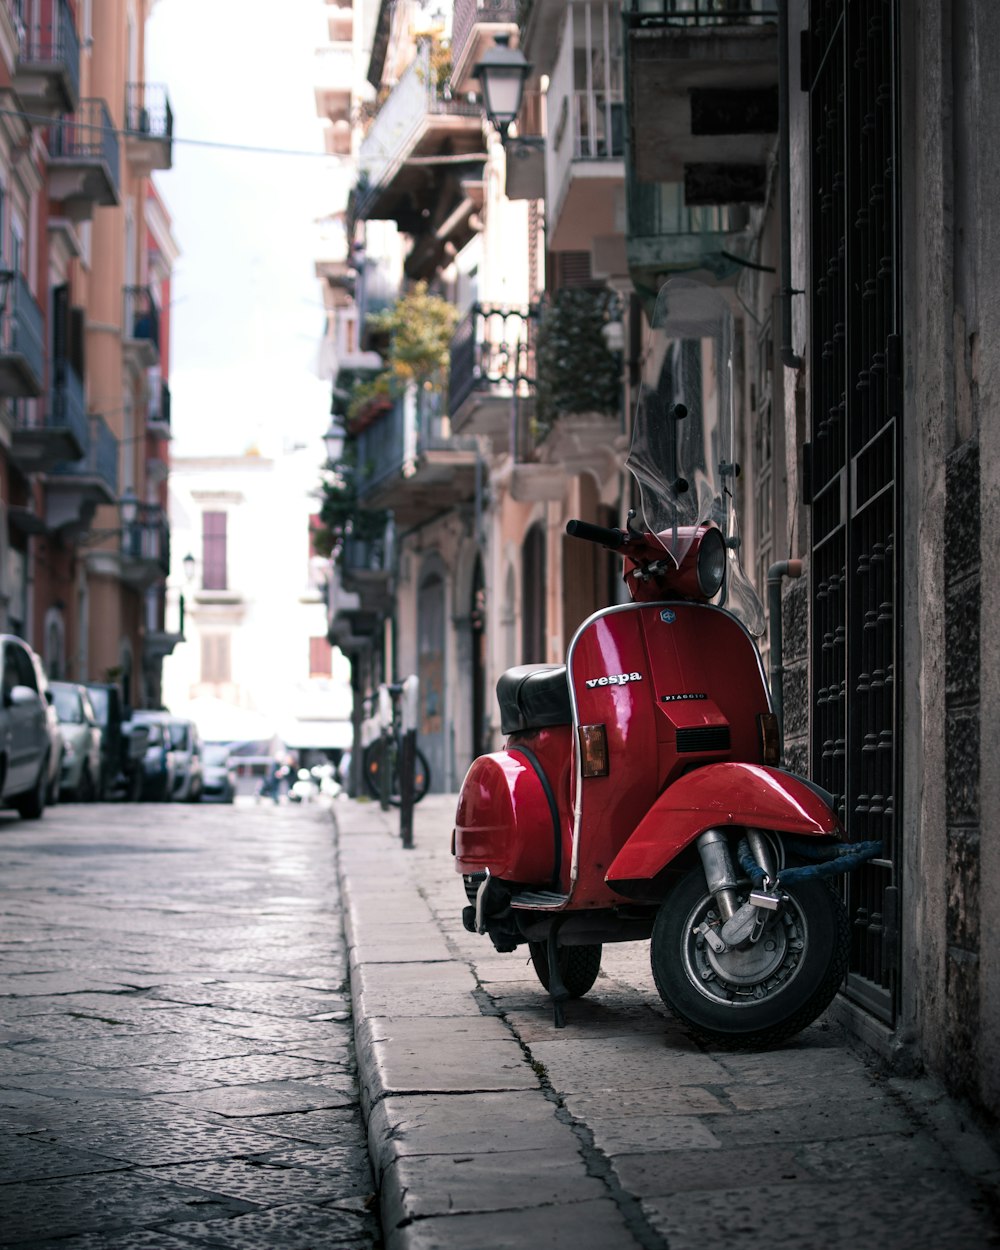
(386, 753)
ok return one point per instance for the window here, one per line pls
(215, 658)
(320, 658)
(213, 551)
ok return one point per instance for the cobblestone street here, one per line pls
(176, 1047)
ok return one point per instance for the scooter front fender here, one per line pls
(748, 795)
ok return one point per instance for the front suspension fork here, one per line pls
(739, 924)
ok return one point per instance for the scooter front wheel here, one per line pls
(578, 966)
(761, 994)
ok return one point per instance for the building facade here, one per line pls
(84, 404)
(247, 592)
(826, 164)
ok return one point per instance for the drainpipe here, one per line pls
(788, 356)
(775, 575)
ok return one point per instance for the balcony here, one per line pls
(492, 372)
(409, 461)
(584, 149)
(143, 556)
(84, 161)
(47, 67)
(63, 433)
(475, 25)
(140, 327)
(74, 488)
(158, 410)
(707, 71)
(421, 166)
(149, 127)
(22, 341)
(665, 235)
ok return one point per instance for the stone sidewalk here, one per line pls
(488, 1128)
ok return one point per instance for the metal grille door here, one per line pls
(849, 66)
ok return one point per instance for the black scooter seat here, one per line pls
(533, 696)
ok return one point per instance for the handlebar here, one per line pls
(602, 534)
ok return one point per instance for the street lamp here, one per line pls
(188, 564)
(128, 508)
(502, 73)
(333, 441)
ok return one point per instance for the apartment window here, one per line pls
(320, 658)
(215, 659)
(213, 551)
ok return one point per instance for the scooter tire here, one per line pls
(578, 966)
(772, 992)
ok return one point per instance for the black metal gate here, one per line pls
(850, 71)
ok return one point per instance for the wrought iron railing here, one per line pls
(100, 459)
(491, 349)
(67, 405)
(148, 114)
(47, 37)
(390, 446)
(701, 12)
(148, 537)
(159, 404)
(361, 556)
(142, 317)
(22, 327)
(87, 134)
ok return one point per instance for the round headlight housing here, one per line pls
(711, 563)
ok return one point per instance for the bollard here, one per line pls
(408, 758)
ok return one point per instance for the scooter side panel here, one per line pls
(739, 794)
(612, 686)
(504, 822)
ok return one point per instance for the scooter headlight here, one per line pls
(711, 563)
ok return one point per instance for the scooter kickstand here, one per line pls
(557, 990)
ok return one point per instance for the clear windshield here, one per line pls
(682, 442)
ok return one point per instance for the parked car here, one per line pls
(185, 743)
(159, 768)
(123, 747)
(26, 747)
(218, 773)
(80, 777)
(56, 750)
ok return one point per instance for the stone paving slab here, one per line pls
(630, 1133)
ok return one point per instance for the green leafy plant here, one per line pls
(420, 326)
(575, 372)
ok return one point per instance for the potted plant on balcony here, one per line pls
(419, 327)
(576, 372)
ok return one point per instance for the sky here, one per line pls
(246, 314)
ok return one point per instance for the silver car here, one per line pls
(26, 748)
(185, 746)
(81, 735)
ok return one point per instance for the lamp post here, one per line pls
(501, 74)
(333, 442)
(188, 566)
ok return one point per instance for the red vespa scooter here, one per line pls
(639, 794)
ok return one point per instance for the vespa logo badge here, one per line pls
(667, 616)
(616, 679)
